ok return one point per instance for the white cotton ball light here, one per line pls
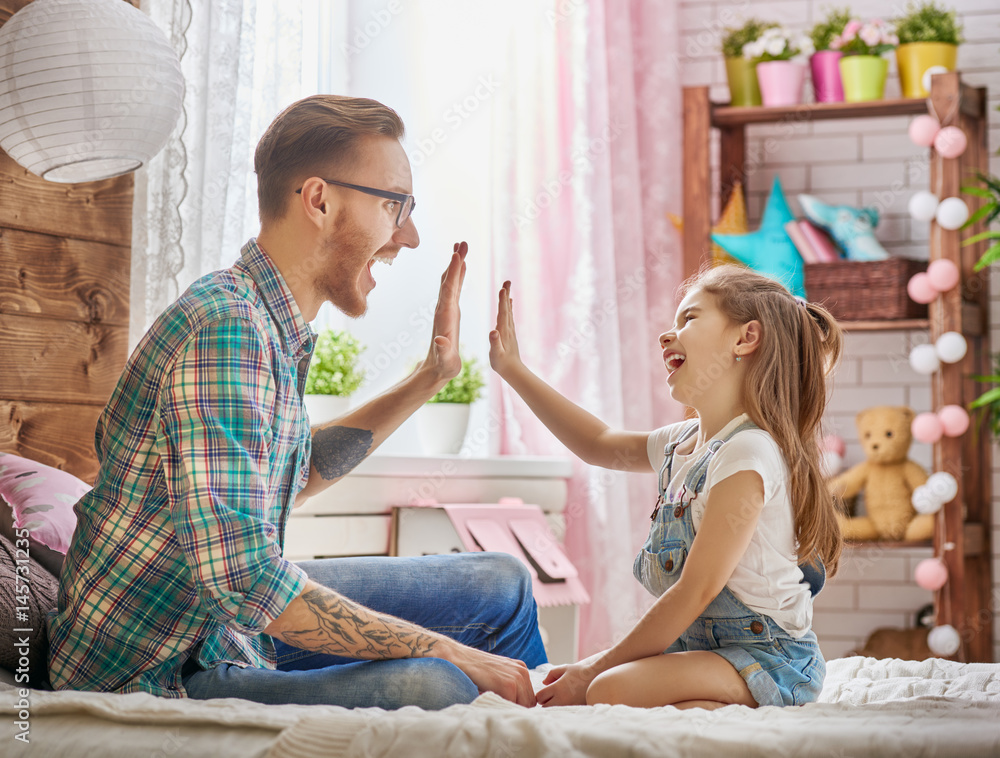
(951, 347)
(951, 213)
(923, 205)
(924, 500)
(944, 640)
(830, 463)
(943, 486)
(924, 359)
(925, 80)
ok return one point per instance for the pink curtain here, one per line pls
(588, 145)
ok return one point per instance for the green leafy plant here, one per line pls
(988, 212)
(928, 23)
(832, 26)
(464, 388)
(736, 38)
(989, 402)
(334, 369)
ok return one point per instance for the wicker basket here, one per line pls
(865, 290)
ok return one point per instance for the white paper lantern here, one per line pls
(952, 212)
(923, 205)
(924, 359)
(943, 486)
(89, 89)
(951, 347)
(944, 640)
(925, 500)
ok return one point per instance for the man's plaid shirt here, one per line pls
(203, 446)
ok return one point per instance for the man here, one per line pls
(174, 582)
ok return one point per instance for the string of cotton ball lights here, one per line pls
(950, 213)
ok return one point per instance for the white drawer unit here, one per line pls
(354, 516)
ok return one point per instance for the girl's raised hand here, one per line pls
(503, 342)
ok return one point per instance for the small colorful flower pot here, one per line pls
(742, 78)
(863, 77)
(825, 67)
(781, 82)
(915, 58)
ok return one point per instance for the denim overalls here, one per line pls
(779, 669)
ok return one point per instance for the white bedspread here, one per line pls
(868, 707)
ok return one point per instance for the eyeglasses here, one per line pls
(406, 202)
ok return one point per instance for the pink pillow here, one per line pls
(42, 499)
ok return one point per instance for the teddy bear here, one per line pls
(887, 478)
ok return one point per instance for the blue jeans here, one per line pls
(483, 600)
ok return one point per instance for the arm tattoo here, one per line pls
(338, 449)
(342, 627)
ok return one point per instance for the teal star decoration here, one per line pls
(769, 250)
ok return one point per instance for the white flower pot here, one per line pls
(442, 427)
(325, 408)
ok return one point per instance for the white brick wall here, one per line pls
(868, 161)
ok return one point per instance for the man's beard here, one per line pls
(345, 252)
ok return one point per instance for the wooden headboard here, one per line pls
(65, 255)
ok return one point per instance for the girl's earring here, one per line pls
(739, 358)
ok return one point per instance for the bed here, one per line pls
(869, 707)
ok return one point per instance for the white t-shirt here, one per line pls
(767, 578)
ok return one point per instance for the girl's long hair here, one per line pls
(785, 390)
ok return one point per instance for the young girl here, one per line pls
(743, 528)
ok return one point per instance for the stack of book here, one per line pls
(813, 243)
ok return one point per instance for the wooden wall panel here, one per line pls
(56, 435)
(54, 360)
(65, 254)
(58, 277)
(99, 211)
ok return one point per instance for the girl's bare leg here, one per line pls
(695, 678)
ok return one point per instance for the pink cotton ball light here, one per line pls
(931, 574)
(950, 142)
(834, 444)
(954, 420)
(923, 130)
(920, 289)
(943, 275)
(927, 428)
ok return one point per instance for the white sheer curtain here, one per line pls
(195, 203)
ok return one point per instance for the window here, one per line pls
(436, 64)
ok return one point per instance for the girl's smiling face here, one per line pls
(699, 350)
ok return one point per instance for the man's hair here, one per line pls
(315, 136)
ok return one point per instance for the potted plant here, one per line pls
(444, 419)
(929, 37)
(740, 72)
(825, 62)
(863, 69)
(780, 56)
(334, 374)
